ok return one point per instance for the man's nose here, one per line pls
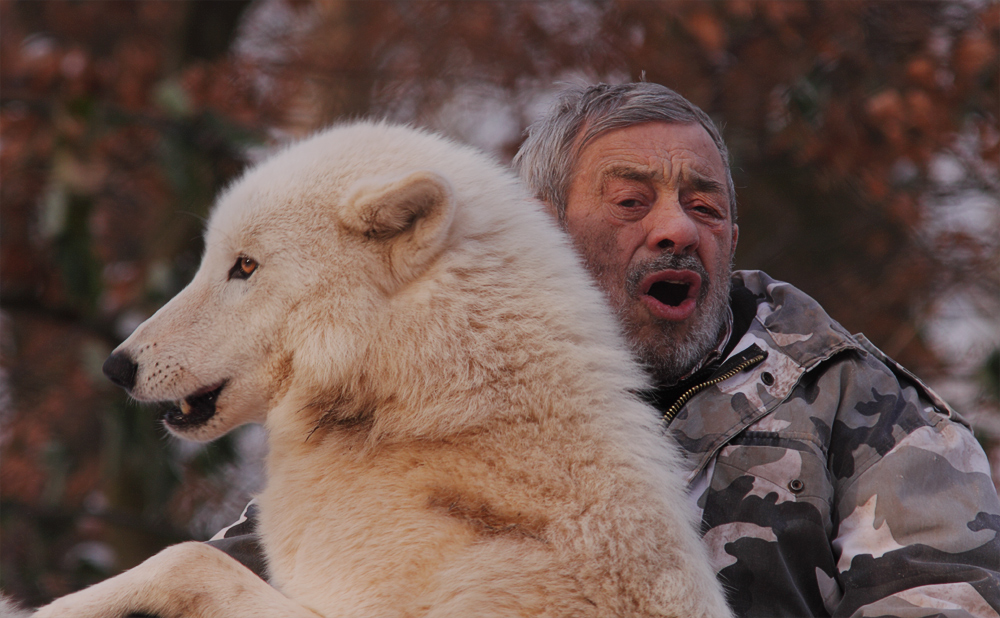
(670, 228)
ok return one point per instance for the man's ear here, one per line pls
(409, 216)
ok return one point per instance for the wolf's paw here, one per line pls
(58, 609)
(76, 605)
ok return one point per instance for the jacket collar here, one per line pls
(795, 333)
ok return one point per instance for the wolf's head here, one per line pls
(300, 255)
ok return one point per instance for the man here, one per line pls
(830, 480)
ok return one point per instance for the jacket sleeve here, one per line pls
(916, 515)
(241, 542)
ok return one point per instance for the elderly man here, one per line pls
(830, 480)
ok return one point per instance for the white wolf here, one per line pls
(449, 406)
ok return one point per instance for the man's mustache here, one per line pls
(666, 261)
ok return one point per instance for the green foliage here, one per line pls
(73, 247)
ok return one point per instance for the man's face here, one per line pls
(648, 208)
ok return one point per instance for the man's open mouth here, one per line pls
(671, 294)
(195, 409)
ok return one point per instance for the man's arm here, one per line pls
(917, 516)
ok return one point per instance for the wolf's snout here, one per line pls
(121, 369)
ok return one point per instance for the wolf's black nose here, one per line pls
(121, 370)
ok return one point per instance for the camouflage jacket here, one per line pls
(831, 481)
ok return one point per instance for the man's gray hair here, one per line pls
(549, 155)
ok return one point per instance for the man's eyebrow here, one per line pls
(626, 172)
(693, 180)
(704, 184)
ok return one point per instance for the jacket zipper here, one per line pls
(671, 412)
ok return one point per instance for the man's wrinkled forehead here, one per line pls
(686, 177)
(697, 173)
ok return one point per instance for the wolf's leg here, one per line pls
(190, 580)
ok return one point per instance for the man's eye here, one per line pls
(708, 210)
(243, 268)
(630, 203)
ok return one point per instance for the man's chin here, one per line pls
(667, 367)
(671, 349)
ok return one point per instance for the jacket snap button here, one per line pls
(767, 378)
(796, 486)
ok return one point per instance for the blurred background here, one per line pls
(865, 145)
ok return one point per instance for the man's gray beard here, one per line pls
(675, 353)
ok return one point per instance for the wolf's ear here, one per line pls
(410, 215)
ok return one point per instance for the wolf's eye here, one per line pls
(243, 268)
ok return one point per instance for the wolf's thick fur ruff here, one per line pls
(447, 400)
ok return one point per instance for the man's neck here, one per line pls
(714, 354)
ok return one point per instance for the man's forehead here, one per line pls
(682, 177)
(651, 149)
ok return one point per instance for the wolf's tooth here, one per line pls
(185, 407)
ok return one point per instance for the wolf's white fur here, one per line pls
(447, 401)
